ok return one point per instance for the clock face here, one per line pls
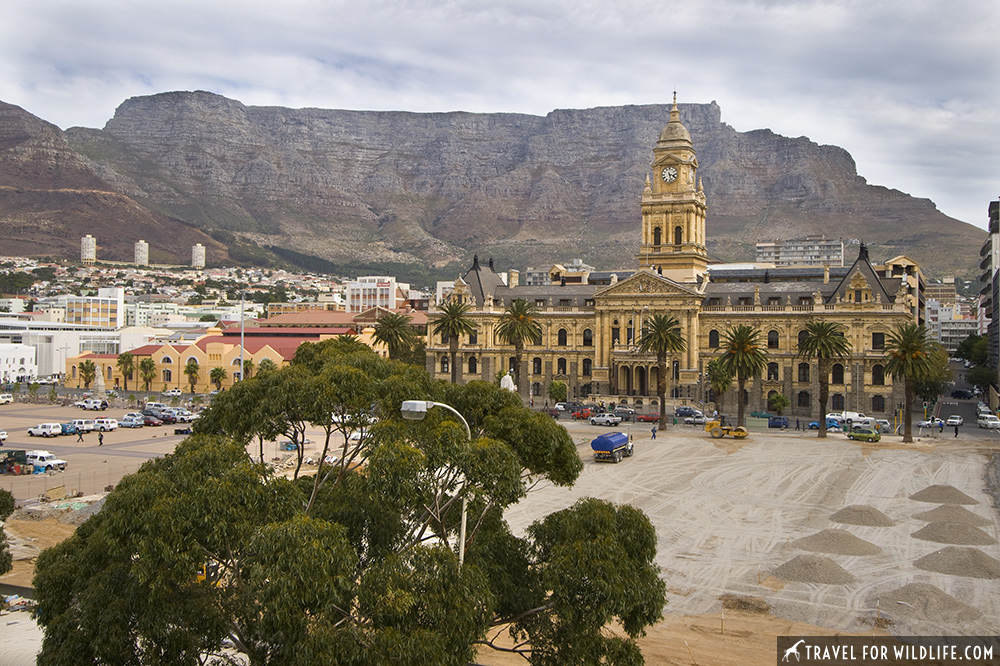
(669, 174)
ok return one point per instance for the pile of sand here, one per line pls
(814, 569)
(837, 542)
(939, 494)
(739, 602)
(862, 514)
(954, 533)
(920, 601)
(952, 513)
(959, 561)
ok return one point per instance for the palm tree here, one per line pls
(147, 371)
(126, 366)
(453, 322)
(394, 331)
(908, 352)
(247, 369)
(266, 365)
(662, 336)
(517, 326)
(88, 372)
(218, 374)
(743, 358)
(191, 371)
(719, 380)
(824, 341)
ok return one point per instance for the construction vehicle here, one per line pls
(717, 430)
(612, 447)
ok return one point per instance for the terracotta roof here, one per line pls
(312, 318)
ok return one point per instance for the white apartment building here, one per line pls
(142, 253)
(198, 256)
(17, 363)
(808, 251)
(372, 291)
(88, 249)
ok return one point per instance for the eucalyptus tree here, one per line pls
(908, 351)
(661, 335)
(452, 321)
(518, 326)
(824, 341)
(743, 358)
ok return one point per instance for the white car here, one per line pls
(697, 419)
(172, 393)
(3, 435)
(182, 415)
(130, 421)
(105, 425)
(933, 422)
(45, 460)
(6, 398)
(990, 421)
(955, 420)
(605, 419)
(45, 430)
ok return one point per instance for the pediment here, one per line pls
(646, 283)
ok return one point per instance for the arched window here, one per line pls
(588, 338)
(803, 335)
(676, 371)
(878, 375)
(772, 339)
(837, 402)
(838, 374)
(713, 339)
(167, 375)
(562, 337)
(561, 366)
(473, 365)
(536, 366)
(772, 371)
(110, 370)
(444, 364)
(803, 372)
(166, 359)
(511, 363)
(804, 399)
(656, 236)
(878, 403)
(677, 235)
(587, 367)
(72, 371)
(536, 389)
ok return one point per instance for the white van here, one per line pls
(84, 425)
(158, 406)
(6, 398)
(45, 430)
(95, 404)
(45, 460)
(106, 424)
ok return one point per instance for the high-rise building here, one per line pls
(808, 251)
(198, 256)
(142, 253)
(88, 249)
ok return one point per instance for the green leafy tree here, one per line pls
(6, 508)
(743, 358)
(779, 402)
(939, 376)
(974, 349)
(982, 377)
(908, 356)
(719, 380)
(394, 330)
(518, 326)
(661, 336)
(217, 375)
(147, 371)
(452, 321)
(126, 366)
(266, 365)
(33, 391)
(824, 341)
(192, 372)
(88, 372)
(53, 394)
(557, 391)
(352, 567)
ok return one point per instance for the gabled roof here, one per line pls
(862, 265)
(483, 282)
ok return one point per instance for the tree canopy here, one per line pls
(824, 341)
(208, 550)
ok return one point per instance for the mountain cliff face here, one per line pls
(431, 189)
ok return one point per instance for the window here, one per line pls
(536, 366)
(878, 375)
(805, 300)
(445, 338)
(615, 335)
(676, 372)
(677, 235)
(561, 366)
(745, 300)
(474, 338)
(857, 295)
(803, 336)
(588, 338)
(536, 389)
(562, 337)
(838, 402)
(539, 303)
(444, 364)
(772, 339)
(167, 375)
(587, 367)
(878, 340)
(838, 374)
(803, 372)
(657, 236)
(109, 372)
(166, 359)
(713, 339)
(803, 399)
(878, 403)
(772, 371)
(774, 300)
(473, 365)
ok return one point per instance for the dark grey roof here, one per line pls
(483, 281)
(552, 294)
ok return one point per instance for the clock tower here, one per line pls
(673, 207)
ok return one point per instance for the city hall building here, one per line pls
(591, 321)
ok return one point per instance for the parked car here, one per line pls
(883, 425)
(95, 404)
(696, 419)
(3, 435)
(45, 460)
(45, 430)
(990, 421)
(962, 394)
(164, 417)
(605, 419)
(6, 398)
(865, 434)
(933, 422)
(182, 415)
(69, 429)
(105, 425)
(173, 393)
(626, 413)
(560, 406)
(130, 421)
(150, 420)
(648, 418)
(84, 425)
(583, 413)
(761, 415)
(831, 424)
(684, 410)
(955, 420)
(777, 422)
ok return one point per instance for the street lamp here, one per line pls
(416, 410)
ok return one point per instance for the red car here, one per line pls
(582, 413)
(151, 421)
(648, 418)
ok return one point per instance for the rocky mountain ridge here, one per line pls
(430, 189)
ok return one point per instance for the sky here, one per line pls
(909, 87)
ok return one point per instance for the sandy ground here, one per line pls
(730, 516)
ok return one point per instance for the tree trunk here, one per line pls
(661, 389)
(908, 410)
(518, 375)
(453, 350)
(741, 383)
(824, 396)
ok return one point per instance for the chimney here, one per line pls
(514, 279)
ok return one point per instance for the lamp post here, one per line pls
(416, 410)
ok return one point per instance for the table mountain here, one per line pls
(380, 188)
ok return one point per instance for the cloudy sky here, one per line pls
(908, 87)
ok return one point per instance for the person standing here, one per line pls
(654, 432)
(100, 439)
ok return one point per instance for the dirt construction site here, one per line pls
(778, 534)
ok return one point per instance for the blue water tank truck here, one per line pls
(611, 447)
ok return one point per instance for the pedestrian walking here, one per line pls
(956, 431)
(100, 439)
(79, 435)
(654, 432)
(797, 425)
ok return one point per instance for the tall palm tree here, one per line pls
(217, 375)
(88, 372)
(247, 368)
(147, 371)
(394, 331)
(266, 365)
(908, 351)
(662, 336)
(517, 326)
(126, 366)
(719, 380)
(191, 371)
(743, 358)
(824, 341)
(453, 321)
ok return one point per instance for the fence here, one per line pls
(29, 487)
